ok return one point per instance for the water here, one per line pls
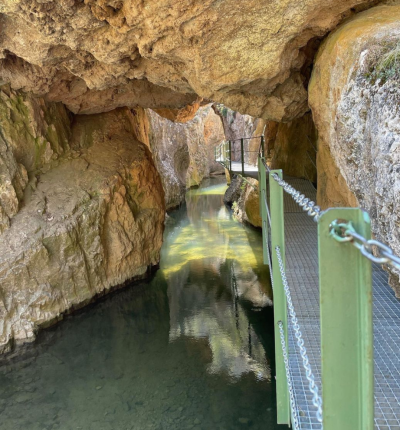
(190, 349)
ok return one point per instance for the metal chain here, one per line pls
(308, 205)
(345, 232)
(293, 407)
(317, 401)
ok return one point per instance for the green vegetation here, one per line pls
(387, 66)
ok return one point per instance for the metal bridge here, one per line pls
(337, 321)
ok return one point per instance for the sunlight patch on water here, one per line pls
(192, 348)
(218, 190)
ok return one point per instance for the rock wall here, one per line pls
(184, 152)
(247, 207)
(354, 95)
(238, 126)
(90, 218)
(293, 147)
(33, 133)
(94, 55)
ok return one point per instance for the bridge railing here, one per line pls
(235, 151)
(345, 284)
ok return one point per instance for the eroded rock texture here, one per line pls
(95, 55)
(91, 217)
(184, 152)
(247, 206)
(354, 95)
(293, 147)
(32, 133)
(237, 127)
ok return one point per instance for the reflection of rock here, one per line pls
(205, 312)
(215, 237)
(227, 334)
(210, 265)
(90, 222)
(354, 94)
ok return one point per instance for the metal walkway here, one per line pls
(248, 169)
(302, 275)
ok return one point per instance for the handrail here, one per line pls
(246, 138)
(345, 285)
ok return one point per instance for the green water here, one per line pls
(190, 349)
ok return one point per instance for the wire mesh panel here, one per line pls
(302, 275)
(387, 353)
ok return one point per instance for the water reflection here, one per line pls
(191, 349)
(216, 253)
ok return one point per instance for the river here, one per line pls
(192, 348)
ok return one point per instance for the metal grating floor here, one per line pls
(302, 274)
(249, 170)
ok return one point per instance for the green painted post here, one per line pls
(346, 326)
(262, 191)
(242, 153)
(230, 156)
(260, 182)
(280, 306)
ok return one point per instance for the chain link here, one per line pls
(293, 407)
(317, 401)
(308, 205)
(345, 232)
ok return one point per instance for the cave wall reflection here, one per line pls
(216, 278)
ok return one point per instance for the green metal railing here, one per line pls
(345, 283)
(226, 154)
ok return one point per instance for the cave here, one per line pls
(110, 116)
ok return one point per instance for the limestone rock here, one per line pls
(294, 147)
(354, 95)
(232, 194)
(184, 152)
(238, 126)
(214, 134)
(92, 221)
(180, 115)
(33, 134)
(247, 206)
(96, 55)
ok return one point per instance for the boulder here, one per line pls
(354, 96)
(247, 206)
